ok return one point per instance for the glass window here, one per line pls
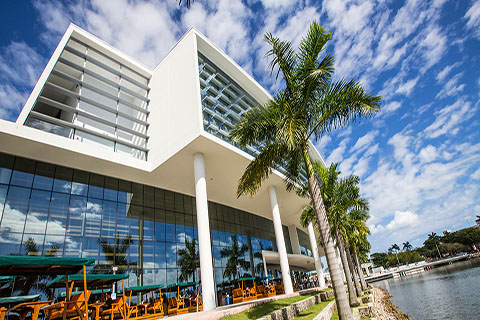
(137, 197)
(159, 199)
(122, 220)
(3, 197)
(160, 255)
(148, 196)
(107, 251)
(6, 165)
(135, 221)
(44, 176)
(57, 220)
(73, 246)
(76, 220)
(148, 251)
(124, 191)
(80, 183)
(171, 251)
(160, 225)
(90, 248)
(169, 200)
(38, 211)
(111, 189)
(109, 216)
(133, 259)
(15, 211)
(148, 224)
(93, 217)
(10, 243)
(53, 246)
(63, 180)
(95, 189)
(32, 244)
(23, 172)
(161, 276)
(171, 276)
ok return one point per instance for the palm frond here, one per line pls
(283, 56)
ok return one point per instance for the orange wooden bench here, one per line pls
(237, 295)
(118, 309)
(75, 308)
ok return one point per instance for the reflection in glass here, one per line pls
(93, 217)
(57, 219)
(90, 248)
(15, 210)
(76, 219)
(44, 176)
(38, 212)
(53, 245)
(22, 175)
(32, 244)
(63, 180)
(6, 165)
(73, 246)
(109, 214)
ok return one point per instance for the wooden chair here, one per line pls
(271, 292)
(156, 308)
(279, 289)
(237, 295)
(118, 309)
(181, 307)
(172, 306)
(75, 308)
(261, 291)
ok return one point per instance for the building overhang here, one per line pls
(298, 260)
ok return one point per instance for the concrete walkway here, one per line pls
(238, 307)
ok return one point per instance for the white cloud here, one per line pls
(337, 154)
(403, 219)
(448, 119)
(451, 87)
(407, 87)
(473, 17)
(428, 154)
(445, 71)
(364, 141)
(391, 106)
(476, 175)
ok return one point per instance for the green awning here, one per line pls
(98, 291)
(19, 299)
(246, 279)
(5, 279)
(183, 284)
(21, 265)
(93, 279)
(144, 288)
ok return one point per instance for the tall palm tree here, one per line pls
(188, 3)
(435, 238)
(407, 246)
(188, 260)
(235, 254)
(310, 105)
(395, 248)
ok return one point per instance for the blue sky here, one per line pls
(419, 158)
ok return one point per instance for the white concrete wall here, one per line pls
(175, 109)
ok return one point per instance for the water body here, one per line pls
(449, 292)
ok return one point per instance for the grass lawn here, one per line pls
(312, 312)
(265, 308)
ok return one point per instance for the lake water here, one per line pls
(449, 292)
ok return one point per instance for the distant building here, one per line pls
(478, 221)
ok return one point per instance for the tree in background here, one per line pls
(236, 259)
(407, 246)
(310, 106)
(188, 260)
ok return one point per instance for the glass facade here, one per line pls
(93, 98)
(53, 210)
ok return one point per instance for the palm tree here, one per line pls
(236, 260)
(115, 254)
(435, 238)
(310, 105)
(395, 248)
(188, 260)
(407, 246)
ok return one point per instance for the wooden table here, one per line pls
(96, 306)
(26, 307)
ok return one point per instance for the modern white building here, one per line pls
(112, 160)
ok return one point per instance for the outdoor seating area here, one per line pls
(184, 297)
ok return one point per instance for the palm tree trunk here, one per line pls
(353, 272)
(360, 271)
(344, 312)
(352, 296)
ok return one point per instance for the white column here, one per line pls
(316, 256)
(282, 251)
(204, 243)
(292, 231)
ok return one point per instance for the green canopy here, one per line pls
(144, 288)
(19, 299)
(182, 284)
(21, 265)
(93, 279)
(5, 279)
(246, 279)
(98, 291)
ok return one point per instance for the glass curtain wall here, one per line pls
(53, 210)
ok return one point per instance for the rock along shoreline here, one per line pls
(384, 309)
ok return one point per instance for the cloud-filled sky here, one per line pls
(419, 158)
